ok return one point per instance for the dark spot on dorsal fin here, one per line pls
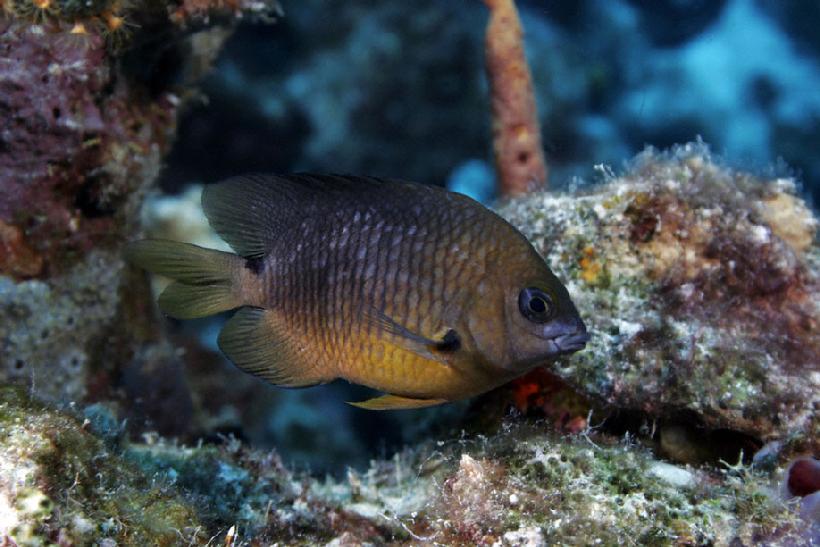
(256, 265)
(450, 342)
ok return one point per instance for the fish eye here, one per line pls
(535, 305)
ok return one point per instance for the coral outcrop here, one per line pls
(62, 484)
(700, 287)
(71, 482)
(85, 127)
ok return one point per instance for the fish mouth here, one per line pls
(570, 343)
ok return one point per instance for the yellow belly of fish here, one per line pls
(383, 365)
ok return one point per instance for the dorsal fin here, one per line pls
(239, 210)
(251, 212)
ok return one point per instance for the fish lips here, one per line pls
(570, 343)
(566, 336)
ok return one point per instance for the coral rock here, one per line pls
(17, 259)
(59, 481)
(84, 129)
(701, 288)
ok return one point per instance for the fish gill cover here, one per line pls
(690, 418)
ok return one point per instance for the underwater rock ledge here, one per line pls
(700, 286)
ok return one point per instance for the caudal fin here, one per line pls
(203, 278)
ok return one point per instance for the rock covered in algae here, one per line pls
(701, 288)
(526, 486)
(77, 482)
(61, 484)
(71, 482)
(88, 99)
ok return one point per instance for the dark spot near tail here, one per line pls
(256, 265)
(450, 342)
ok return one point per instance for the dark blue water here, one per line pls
(398, 88)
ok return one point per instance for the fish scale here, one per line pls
(412, 290)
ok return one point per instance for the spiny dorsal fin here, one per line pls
(251, 212)
(248, 212)
(256, 341)
(396, 402)
(240, 210)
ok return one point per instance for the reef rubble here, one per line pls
(73, 480)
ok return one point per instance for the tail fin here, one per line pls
(203, 278)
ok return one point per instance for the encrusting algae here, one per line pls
(412, 290)
(699, 285)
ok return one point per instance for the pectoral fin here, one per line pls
(436, 348)
(396, 402)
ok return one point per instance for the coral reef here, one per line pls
(62, 484)
(49, 330)
(85, 128)
(699, 283)
(72, 482)
(700, 287)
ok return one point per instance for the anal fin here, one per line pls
(396, 402)
(256, 341)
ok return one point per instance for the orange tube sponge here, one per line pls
(519, 156)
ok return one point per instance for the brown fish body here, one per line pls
(397, 286)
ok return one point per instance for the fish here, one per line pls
(422, 294)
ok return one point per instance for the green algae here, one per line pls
(523, 483)
(92, 492)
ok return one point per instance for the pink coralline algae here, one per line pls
(77, 143)
(84, 129)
